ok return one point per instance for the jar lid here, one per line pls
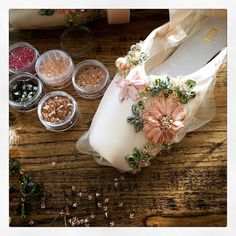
(22, 57)
(54, 67)
(25, 91)
(78, 41)
(90, 79)
(58, 111)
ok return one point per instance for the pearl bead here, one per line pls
(120, 61)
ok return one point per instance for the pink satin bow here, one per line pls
(130, 87)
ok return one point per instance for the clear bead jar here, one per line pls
(25, 92)
(55, 68)
(78, 41)
(22, 58)
(58, 111)
(90, 79)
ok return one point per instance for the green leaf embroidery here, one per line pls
(136, 120)
(134, 158)
(161, 85)
(141, 157)
(185, 92)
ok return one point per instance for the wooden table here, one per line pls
(186, 187)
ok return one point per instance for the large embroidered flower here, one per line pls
(163, 119)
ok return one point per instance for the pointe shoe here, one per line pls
(163, 89)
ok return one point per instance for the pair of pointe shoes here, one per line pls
(163, 89)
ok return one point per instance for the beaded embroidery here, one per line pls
(161, 118)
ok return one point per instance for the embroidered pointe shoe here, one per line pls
(163, 89)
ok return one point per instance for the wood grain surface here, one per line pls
(186, 187)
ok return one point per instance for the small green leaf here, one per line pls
(141, 105)
(191, 83)
(184, 99)
(136, 120)
(134, 159)
(135, 109)
(131, 119)
(192, 94)
(154, 91)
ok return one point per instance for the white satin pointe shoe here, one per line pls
(164, 89)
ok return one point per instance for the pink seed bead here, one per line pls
(20, 58)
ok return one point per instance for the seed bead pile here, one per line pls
(21, 57)
(23, 91)
(57, 109)
(54, 66)
(90, 76)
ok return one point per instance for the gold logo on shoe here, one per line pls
(212, 33)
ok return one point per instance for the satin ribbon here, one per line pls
(131, 85)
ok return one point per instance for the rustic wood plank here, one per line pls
(186, 187)
(202, 221)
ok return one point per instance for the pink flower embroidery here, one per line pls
(163, 119)
(130, 87)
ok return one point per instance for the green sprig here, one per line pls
(28, 188)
